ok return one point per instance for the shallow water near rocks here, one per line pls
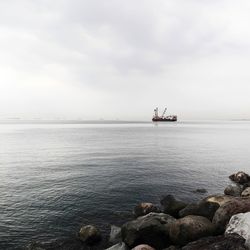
(56, 177)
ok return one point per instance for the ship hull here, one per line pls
(164, 119)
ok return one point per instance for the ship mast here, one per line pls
(156, 113)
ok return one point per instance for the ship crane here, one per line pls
(164, 112)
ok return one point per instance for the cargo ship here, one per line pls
(163, 117)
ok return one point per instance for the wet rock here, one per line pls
(203, 208)
(34, 246)
(172, 248)
(190, 209)
(171, 205)
(221, 242)
(246, 192)
(218, 199)
(233, 190)
(239, 224)
(246, 185)
(115, 234)
(200, 190)
(145, 208)
(119, 246)
(240, 177)
(190, 228)
(247, 243)
(151, 229)
(143, 247)
(227, 210)
(89, 234)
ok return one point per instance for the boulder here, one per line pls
(172, 247)
(119, 246)
(190, 209)
(246, 185)
(171, 205)
(206, 207)
(240, 177)
(145, 208)
(227, 210)
(89, 234)
(115, 234)
(203, 208)
(239, 224)
(151, 229)
(233, 190)
(34, 246)
(190, 228)
(246, 192)
(218, 199)
(247, 243)
(143, 247)
(221, 242)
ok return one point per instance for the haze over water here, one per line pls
(56, 177)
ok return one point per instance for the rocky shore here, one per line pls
(220, 222)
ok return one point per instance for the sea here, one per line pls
(56, 177)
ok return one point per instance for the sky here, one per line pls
(113, 59)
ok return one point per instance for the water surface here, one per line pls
(56, 177)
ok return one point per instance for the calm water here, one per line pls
(55, 177)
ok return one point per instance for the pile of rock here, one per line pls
(220, 222)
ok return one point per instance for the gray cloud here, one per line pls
(83, 53)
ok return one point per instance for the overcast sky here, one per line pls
(114, 59)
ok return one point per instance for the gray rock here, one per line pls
(190, 209)
(240, 177)
(232, 242)
(172, 247)
(171, 205)
(151, 229)
(190, 228)
(246, 185)
(143, 247)
(89, 234)
(145, 208)
(207, 207)
(115, 234)
(227, 210)
(246, 192)
(239, 224)
(204, 208)
(233, 190)
(218, 199)
(34, 246)
(247, 243)
(119, 246)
